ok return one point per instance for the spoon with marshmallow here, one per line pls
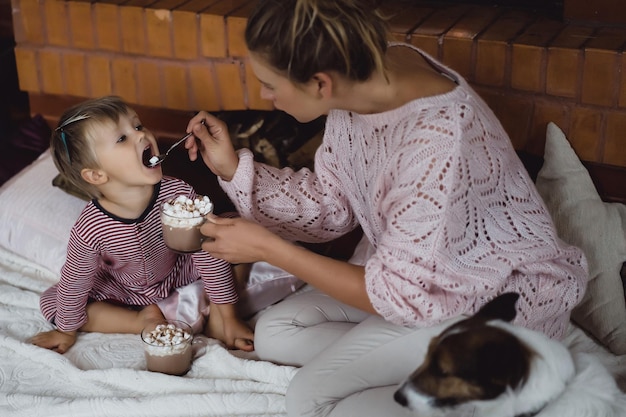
(157, 159)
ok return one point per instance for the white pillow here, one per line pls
(36, 216)
(598, 228)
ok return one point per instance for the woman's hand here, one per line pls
(212, 141)
(237, 240)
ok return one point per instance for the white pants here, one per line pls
(352, 362)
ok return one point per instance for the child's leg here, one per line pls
(102, 317)
(105, 317)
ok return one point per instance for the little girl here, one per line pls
(119, 275)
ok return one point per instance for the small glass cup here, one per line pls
(182, 234)
(168, 347)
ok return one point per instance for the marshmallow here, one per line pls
(182, 211)
(167, 339)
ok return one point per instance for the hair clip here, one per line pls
(67, 151)
(72, 119)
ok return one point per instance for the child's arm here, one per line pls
(55, 340)
(225, 325)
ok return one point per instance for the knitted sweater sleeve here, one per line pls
(297, 205)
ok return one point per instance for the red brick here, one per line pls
(235, 30)
(546, 111)
(32, 21)
(27, 69)
(493, 48)
(51, 72)
(195, 6)
(599, 11)
(75, 72)
(56, 23)
(107, 26)
(527, 67)
(132, 24)
(149, 83)
(176, 86)
(600, 70)
(138, 3)
(100, 78)
(458, 42)
(203, 88)
(614, 149)
(124, 79)
(565, 55)
(585, 133)
(82, 24)
(213, 35)
(427, 35)
(230, 85)
(159, 30)
(17, 23)
(622, 86)
(528, 60)
(186, 34)
(404, 19)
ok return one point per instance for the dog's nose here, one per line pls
(400, 398)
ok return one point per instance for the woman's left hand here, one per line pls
(236, 240)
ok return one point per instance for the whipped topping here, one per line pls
(167, 339)
(183, 211)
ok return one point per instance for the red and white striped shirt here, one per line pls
(126, 261)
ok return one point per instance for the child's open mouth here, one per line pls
(146, 156)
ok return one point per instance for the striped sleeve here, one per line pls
(77, 279)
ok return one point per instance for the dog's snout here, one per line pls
(400, 398)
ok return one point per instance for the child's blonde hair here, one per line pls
(71, 142)
(302, 37)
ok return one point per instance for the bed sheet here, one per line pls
(103, 375)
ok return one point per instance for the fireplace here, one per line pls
(597, 12)
(171, 59)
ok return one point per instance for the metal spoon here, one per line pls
(157, 159)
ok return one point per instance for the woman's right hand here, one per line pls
(212, 141)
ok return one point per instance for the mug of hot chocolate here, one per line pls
(181, 219)
(167, 347)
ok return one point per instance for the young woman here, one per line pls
(119, 275)
(412, 155)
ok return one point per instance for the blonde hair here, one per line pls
(71, 141)
(302, 37)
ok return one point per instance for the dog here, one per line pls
(484, 366)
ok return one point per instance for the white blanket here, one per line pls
(103, 375)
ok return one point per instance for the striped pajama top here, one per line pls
(126, 261)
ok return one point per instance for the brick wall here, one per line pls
(172, 57)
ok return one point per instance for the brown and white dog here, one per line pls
(484, 366)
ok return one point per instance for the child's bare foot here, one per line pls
(230, 330)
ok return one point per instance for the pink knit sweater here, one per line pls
(442, 196)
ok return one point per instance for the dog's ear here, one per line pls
(502, 307)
